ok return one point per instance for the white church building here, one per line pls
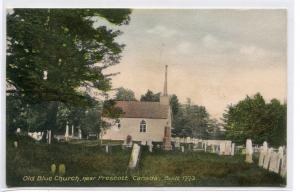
(141, 120)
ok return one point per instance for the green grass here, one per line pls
(86, 159)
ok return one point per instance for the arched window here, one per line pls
(143, 126)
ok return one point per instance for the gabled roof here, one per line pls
(142, 109)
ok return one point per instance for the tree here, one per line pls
(124, 95)
(150, 96)
(254, 118)
(191, 120)
(174, 103)
(57, 55)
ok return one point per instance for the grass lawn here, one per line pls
(89, 165)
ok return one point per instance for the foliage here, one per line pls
(124, 95)
(150, 96)
(191, 120)
(55, 59)
(254, 118)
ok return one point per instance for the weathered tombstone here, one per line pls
(106, 148)
(222, 148)
(279, 159)
(262, 154)
(134, 156)
(182, 149)
(72, 131)
(61, 169)
(16, 144)
(205, 146)
(67, 132)
(53, 169)
(267, 158)
(18, 131)
(79, 134)
(49, 136)
(188, 140)
(273, 162)
(283, 167)
(227, 147)
(232, 149)
(150, 146)
(249, 151)
(167, 138)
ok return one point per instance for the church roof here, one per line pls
(142, 109)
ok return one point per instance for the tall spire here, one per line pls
(166, 82)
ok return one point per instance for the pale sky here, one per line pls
(215, 57)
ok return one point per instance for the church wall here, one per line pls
(131, 126)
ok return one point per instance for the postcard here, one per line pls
(146, 97)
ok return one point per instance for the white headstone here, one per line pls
(283, 167)
(16, 144)
(273, 162)
(232, 149)
(262, 154)
(227, 147)
(18, 130)
(182, 149)
(150, 145)
(134, 156)
(79, 134)
(267, 158)
(205, 146)
(279, 159)
(72, 131)
(49, 136)
(188, 140)
(222, 148)
(106, 148)
(67, 132)
(249, 151)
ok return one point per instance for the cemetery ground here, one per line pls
(87, 164)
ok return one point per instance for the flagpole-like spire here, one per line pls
(166, 82)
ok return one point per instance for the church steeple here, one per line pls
(166, 82)
(164, 98)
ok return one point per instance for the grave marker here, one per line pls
(249, 151)
(134, 156)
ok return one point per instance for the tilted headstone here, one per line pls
(249, 151)
(232, 149)
(283, 167)
(262, 154)
(134, 156)
(267, 158)
(273, 162)
(279, 159)
(16, 144)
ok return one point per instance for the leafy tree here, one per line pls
(52, 54)
(254, 118)
(191, 120)
(124, 95)
(150, 96)
(174, 103)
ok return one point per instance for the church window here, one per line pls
(143, 126)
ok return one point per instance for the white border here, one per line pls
(182, 4)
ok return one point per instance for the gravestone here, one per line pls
(188, 140)
(67, 132)
(262, 154)
(249, 151)
(134, 157)
(273, 162)
(61, 169)
(106, 149)
(128, 140)
(267, 158)
(222, 148)
(79, 134)
(283, 167)
(205, 146)
(18, 131)
(279, 159)
(167, 139)
(182, 149)
(182, 140)
(53, 169)
(150, 145)
(232, 149)
(16, 144)
(227, 147)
